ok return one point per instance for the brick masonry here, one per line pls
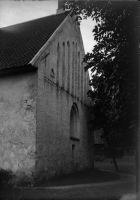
(56, 152)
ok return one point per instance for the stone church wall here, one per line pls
(43, 114)
(61, 84)
(18, 121)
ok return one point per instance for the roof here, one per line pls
(20, 43)
(97, 136)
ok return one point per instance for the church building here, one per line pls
(43, 97)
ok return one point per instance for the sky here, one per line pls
(13, 12)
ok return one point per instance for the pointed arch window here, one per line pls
(74, 122)
(63, 67)
(79, 91)
(58, 64)
(82, 82)
(68, 48)
(73, 61)
(76, 68)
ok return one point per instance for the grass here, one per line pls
(87, 176)
(125, 165)
(110, 192)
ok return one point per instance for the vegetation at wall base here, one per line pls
(10, 180)
(6, 179)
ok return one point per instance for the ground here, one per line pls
(125, 165)
(110, 190)
(85, 177)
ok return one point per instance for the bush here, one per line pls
(6, 178)
(24, 181)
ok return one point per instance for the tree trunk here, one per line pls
(112, 153)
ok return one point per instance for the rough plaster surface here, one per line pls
(35, 112)
(54, 146)
(18, 122)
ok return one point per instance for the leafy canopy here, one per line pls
(112, 63)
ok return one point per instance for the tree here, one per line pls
(114, 66)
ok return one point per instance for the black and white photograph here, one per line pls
(69, 100)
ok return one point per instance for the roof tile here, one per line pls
(19, 43)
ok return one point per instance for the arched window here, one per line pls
(68, 79)
(82, 80)
(74, 122)
(58, 64)
(79, 73)
(76, 69)
(63, 67)
(73, 60)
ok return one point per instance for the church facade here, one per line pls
(43, 98)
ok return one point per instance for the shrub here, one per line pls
(24, 181)
(6, 178)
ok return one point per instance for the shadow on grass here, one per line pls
(84, 177)
(123, 165)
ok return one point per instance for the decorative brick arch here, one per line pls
(74, 122)
(63, 65)
(68, 65)
(58, 64)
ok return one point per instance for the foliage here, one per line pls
(6, 179)
(113, 64)
(24, 180)
(9, 179)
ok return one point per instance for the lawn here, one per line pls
(87, 176)
(99, 174)
(125, 165)
(103, 171)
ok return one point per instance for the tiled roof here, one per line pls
(19, 43)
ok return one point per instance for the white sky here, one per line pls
(13, 12)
